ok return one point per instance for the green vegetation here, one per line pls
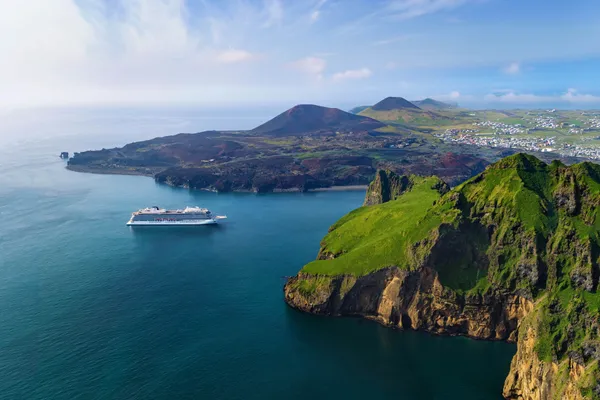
(411, 116)
(372, 238)
(512, 121)
(311, 287)
(521, 225)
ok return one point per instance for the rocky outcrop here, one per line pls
(388, 186)
(410, 300)
(532, 378)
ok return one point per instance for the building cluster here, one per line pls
(503, 129)
(592, 153)
(457, 131)
(543, 122)
(513, 135)
(529, 143)
(575, 131)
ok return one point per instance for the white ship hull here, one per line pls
(190, 222)
(190, 216)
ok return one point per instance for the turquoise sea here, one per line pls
(92, 309)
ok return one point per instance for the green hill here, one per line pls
(402, 111)
(357, 109)
(519, 242)
(433, 105)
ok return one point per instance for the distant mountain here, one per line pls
(358, 109)
(401, 111)
(393, 103)
(306, 118)
(432, 105)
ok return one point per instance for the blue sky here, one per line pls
(479, 53)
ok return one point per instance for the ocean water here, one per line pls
(93, 309)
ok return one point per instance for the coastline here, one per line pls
(340, 188)
(88, 170)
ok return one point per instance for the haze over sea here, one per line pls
(92, 309)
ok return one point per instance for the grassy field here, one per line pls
(513, 121)
(371, 238)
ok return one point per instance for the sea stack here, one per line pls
(64, 155)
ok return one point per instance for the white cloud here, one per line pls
(453, 97)
(274, 12)
(518, 98)
(352, 74)
(406, 9)
(146, 52)
(234, 56)
(391, 65)
(513, 68)
(571, 96)
(316, 13)
(310, 65)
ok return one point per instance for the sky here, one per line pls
(342, 53)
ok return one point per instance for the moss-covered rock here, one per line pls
(388, 185)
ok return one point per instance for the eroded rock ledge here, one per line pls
(410, 300)
(417, 300)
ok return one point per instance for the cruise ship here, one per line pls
(160, 216)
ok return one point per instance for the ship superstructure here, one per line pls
(187, 216)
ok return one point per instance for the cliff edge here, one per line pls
(512, 254)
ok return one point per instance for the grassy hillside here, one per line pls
(521, 225)
(371, 238)
(411, 116)
(520, 200)
(527, 212)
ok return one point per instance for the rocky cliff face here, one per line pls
(388, 186)
(513, 254)
(531, 378)
(410, 300)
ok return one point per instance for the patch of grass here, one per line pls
(310, 287)
(372, 238)
(390, 129)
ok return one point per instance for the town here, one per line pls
(576, 134)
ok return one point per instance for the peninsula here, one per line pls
(511, 254)
(310, 147)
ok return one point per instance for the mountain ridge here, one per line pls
(398, 110)
(307, 118)
(393, 103)
(432, 104)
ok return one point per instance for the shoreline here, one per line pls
(340, 188)
(87, 170)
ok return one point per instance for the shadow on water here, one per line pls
(380, 355)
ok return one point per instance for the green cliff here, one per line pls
(511, 254)
(388, 185)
